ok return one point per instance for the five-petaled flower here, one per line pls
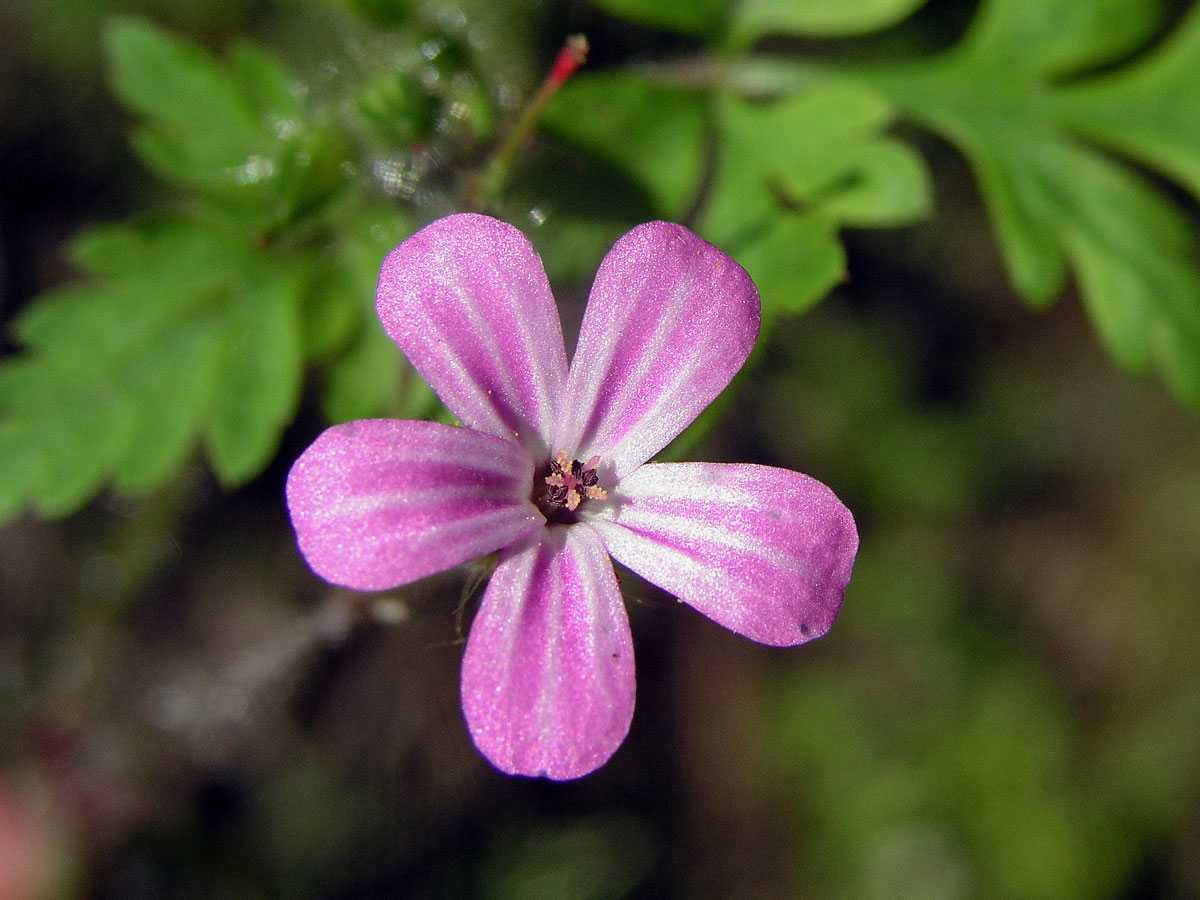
(550, 469)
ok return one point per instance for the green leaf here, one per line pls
(795, 263)
(163, 420)
(384, 13)
(1058, 204)
(819, 18)
(704, 17)
(333, 311)
(394, 109)
(824, 148)
(201, 128)
(1140, 284)
(340, 301)
(183, 330)
(366, 381)
(1149, 110)
(235, 132)
(1056, 37)
(60, 429)
(777, 204)
(661, 132)
(887, 184)
(266, 87)
(365, 377)
(257, 369)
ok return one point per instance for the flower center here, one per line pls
(568, 483)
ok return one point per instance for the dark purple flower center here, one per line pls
(559, 491)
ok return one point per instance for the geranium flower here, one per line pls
(550, 469)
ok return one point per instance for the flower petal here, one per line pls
(547, 680)
(382, 502)
(765, 552)
(669, 322)
(466, 299)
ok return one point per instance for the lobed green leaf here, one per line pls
(1058, 37)
(236, 132)
(777, 205)
(1059, 205)
(185, 331)
(201, 127)
(1149, 110)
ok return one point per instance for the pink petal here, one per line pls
(765, 552)
(466, 299)
(547, 679)
(381, 502)
(669, 322)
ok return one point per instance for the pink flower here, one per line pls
(551, 470)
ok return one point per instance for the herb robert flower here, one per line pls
(550, 469)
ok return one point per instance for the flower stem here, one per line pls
(491, 182)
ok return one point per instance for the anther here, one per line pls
(570, 482)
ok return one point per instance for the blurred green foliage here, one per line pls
(1007, 708)
(769, 155)
(1058, 202)
(979, 734)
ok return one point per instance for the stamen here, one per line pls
(568, 484)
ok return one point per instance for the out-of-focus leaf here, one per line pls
(821, 18)
(777, 204)
(795, 261)
(341, 299)
(386, 13)
(201, 127)
(235, 131)
(1150, 109)
(1056, 37)
(266, 87)
(395, 109)
(1057, 203)
(257, 369)
(333, 309)
(888, 185)
(366, 381)
(367, 376)
(185, 330)
(704, 17)
(652, 131)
